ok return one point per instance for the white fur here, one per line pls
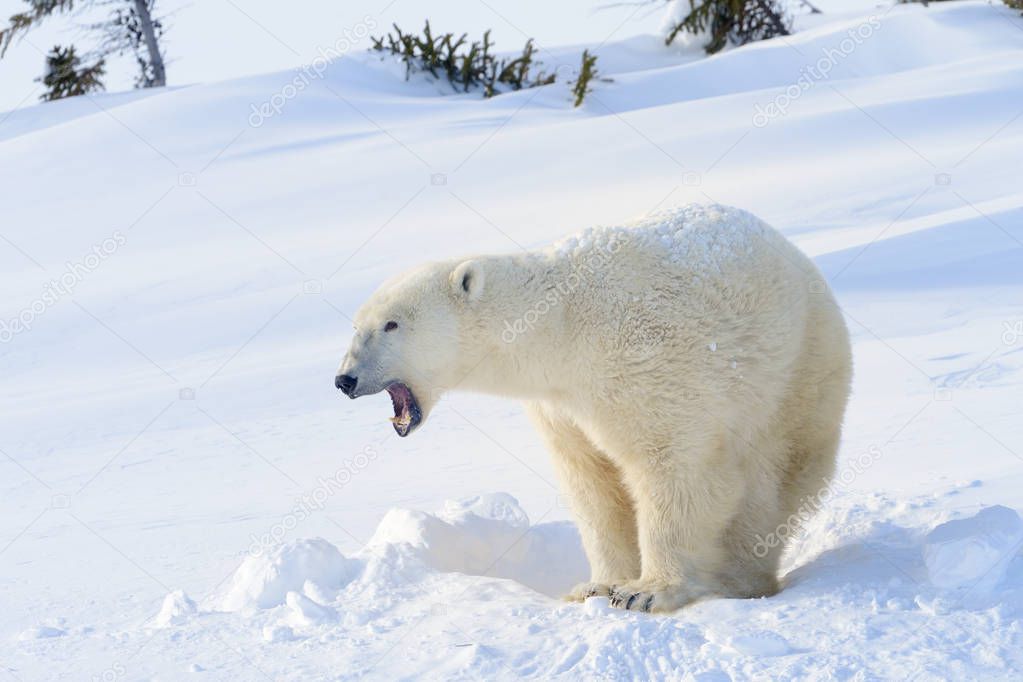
(689, 374)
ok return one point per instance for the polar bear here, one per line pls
(689, 373)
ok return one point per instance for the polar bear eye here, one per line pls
(390, 326)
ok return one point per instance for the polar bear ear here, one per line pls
(467, 280)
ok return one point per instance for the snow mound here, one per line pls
(278, 633)
(973, 553)
(304, 612)
(494, 506)
(177, 608)
(264, 581)
(485, 535)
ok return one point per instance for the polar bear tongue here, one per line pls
(406, 410)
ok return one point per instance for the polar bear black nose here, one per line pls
(346, 384)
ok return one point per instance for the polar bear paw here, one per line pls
(650, 597)
(584, 591)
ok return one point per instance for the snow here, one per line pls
(176, 609)
(975, 552)
(691, 232)
(185, 492)
(269, 580)
(461, 538)
(763, 643)
(42, 632)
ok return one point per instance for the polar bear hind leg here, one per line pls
(810, 423)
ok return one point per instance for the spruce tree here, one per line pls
(587, 72)
(131, 26)
(735, 21)
(66, 77)
(465, 65)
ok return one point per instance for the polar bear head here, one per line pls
(411, 339)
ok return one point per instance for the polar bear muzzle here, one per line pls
(407, 414)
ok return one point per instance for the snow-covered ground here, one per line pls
(184, 491)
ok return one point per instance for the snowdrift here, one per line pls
(306, 589)
(169, 404)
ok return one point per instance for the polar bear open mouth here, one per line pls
(407, 414)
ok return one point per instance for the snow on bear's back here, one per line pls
(707, 234)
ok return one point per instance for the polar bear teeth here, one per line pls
(406, 410)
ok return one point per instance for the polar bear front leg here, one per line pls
(601, 505)
(683, 505)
